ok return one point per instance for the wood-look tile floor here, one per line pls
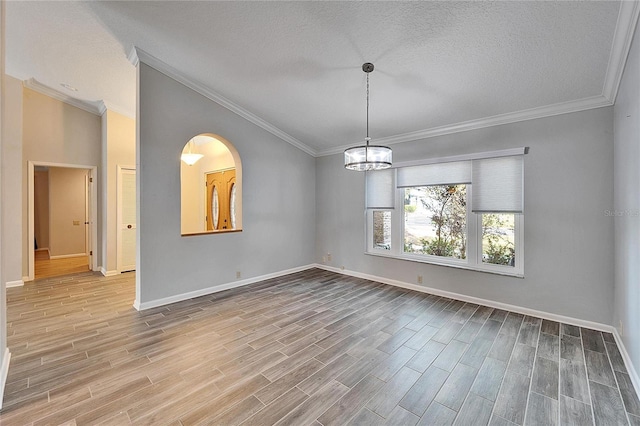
(44, 267)
(312, 348)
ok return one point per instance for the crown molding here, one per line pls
(106, 105)
(88, 106)
(622, 38)
(138, 55)
(496, 120)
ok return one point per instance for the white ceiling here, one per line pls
(440, 66)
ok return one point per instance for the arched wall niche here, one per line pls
(210, 187)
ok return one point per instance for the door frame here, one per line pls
(93, 210)
(119, 215)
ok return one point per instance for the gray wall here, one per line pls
(568, 239)
(3, 301)
(12, 171)
(627, 202)
(278, 196)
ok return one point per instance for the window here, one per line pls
(465, 214)
(435, 220)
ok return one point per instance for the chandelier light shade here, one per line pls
(189, 157)
(367, 157)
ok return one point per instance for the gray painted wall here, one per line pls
(627, 200)
(568, 239)
(278, 195)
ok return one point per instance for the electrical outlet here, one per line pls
(328, 257)
(324, 259)
(419, 279)
(238, 274)
(621, 328)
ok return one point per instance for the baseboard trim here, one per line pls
(141, 306)
(66, 256)
(106, 273)
(473, 299)
(4, 373)
(17, 283)
(635, 379)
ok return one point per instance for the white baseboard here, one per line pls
(635, 379)
(4, 372)
(25, 279)
(472, 299)
(17, 283)
(65, 256)
(108, 273)
(141, 306)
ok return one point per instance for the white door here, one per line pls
(126, 220)
(87, 219)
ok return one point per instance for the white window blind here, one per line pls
(456, 172)
(380, 189)
(498, 185)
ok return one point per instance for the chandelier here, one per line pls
(367, 157)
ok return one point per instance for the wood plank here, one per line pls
(592, 340)
(573, 380)
(542, 410)
(574, 412)
(607, 405)
(392, 392)
(489, 379)
(455, 388)
(437, 415)
(315, 405)
(598, 368)
(546, 378)
(512, 399)
(475, 411)
(349, 405)
(629, 396)
(549, 346)
(450, 355)
(421, 395)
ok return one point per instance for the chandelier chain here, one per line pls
(367, 108)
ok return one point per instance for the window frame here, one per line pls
(473, 260)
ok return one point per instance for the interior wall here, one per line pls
(41, 208)
(568, 239)
(119, 149)
(627, 205)
(55, 132)
(278, 196)
(67, 206)
(12, 174)
(4, 351)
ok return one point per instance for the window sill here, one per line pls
(221, 231)
(496, 270)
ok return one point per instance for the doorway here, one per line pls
(126, 222)
(62, 219)
(220, 212)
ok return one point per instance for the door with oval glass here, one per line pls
(220, 210)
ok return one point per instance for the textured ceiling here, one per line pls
(296, 65)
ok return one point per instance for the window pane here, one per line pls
(436, 220)
(498, 239)
(382, 230)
